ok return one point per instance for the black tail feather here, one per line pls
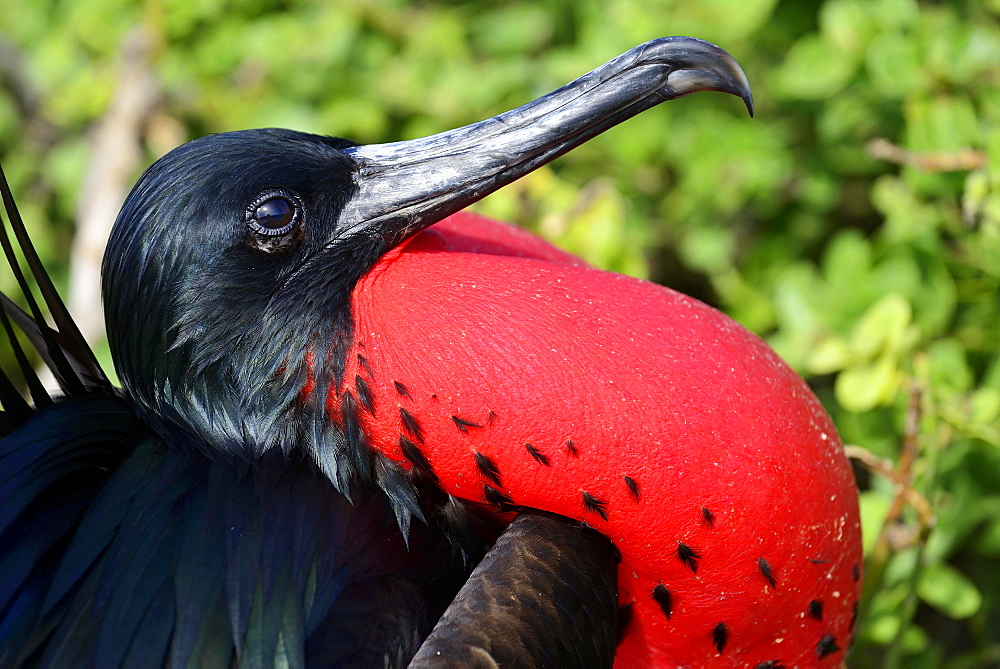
(63, 349)
(16, 409)
(38, 394)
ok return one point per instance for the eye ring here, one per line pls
(274, 213)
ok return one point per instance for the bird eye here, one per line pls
(274, 213)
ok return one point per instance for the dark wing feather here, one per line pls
(50, 468)
(545, 596)
(179, 560)
(117, 549)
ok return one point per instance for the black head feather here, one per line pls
(216, 315)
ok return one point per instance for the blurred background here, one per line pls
(854, 224)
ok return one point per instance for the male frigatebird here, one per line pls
(330, 402)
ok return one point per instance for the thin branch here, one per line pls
(961, 160)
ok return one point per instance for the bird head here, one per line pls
(228, 275)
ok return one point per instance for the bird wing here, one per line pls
(545, 595)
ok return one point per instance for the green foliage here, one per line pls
(855, 223)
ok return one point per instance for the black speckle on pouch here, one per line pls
(664, 599)
(720, 634)
(707, 517)
(495, 498)
(826, 646)
(363, 364)
(410, 425)
(688, 556)
(767, 572)
(364, 394)
(488, 468)
(633, 487)
(463, 425)
(595, 505)
(539, 457)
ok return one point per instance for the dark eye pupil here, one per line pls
(275, 213)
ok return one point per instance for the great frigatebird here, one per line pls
(310, 363)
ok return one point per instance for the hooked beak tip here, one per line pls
(748, 101)
(703, 66)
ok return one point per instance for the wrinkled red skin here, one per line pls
(486, 323)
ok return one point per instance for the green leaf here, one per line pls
(950, 372)
(988, 541)
(948, 590)
(864, 387)
(815, 70)
(882, 327)
(885, 628)
(513, 29)
(894, 62)
(831, 354)
(985, 407)
(874, 506)
(847, 260)
(848, 25)
(942, 123)
(707, 249)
